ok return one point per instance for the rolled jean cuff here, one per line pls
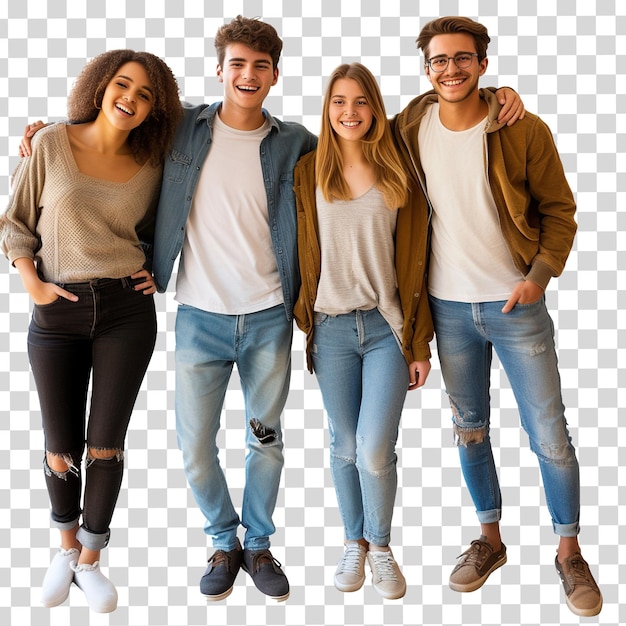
(566, 530)
(489, 517)
(93, 541)
(256, 543)
(64, 525)
(377, 540)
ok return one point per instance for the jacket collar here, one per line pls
(417, 108)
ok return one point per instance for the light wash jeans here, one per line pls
(207, 346)
(524, 342)
(363, 377)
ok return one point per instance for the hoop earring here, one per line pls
(95, 103)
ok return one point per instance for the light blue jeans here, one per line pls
(207, 347)
(363, 377)
(524, 342)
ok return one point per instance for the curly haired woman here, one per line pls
(78, 228)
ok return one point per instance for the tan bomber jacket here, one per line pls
(535, 203)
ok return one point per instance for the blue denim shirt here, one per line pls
(285, 143)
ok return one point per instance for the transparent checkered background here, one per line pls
(567, 58)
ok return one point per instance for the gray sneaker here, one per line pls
(266, 573)
(475, 565)
(350, 573)
(386, 575)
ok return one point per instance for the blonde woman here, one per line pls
(362, 236)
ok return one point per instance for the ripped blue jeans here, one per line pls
(208, 346)
(524, 342)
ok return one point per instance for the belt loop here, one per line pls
(125, 281)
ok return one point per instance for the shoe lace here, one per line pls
(577, 572)
(477, 554)
(352, 560)
(220, 557)
(384, 562)
(262, 557)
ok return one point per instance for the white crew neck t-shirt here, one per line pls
(470, 260)
(228, 264)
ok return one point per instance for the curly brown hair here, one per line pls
(252, 32)
(150, 140)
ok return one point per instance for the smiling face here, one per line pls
(349, 112)
(128, 98)
(248, 76)
(453, 84)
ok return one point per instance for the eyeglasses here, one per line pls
(462, 61)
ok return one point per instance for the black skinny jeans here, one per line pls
(109, 335)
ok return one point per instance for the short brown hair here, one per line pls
(252, 32)
(152, 139)
(454, 24)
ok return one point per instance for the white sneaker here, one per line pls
(58, 579)
(350, 573)
(386, 575)
(98, 589)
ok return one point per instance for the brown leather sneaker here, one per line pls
(475, 565)
(582, 594)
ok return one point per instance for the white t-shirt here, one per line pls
(228, 264)
(470, 260)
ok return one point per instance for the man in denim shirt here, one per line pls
(227, 202)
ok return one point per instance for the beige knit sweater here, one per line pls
(77, 227)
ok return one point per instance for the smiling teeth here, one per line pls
(452, 82)
(122, 108)
(247, 88)
(350, 124)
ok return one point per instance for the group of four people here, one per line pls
(443, 220)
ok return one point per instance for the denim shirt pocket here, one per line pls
(176, 166)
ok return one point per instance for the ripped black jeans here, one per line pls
(108, 336)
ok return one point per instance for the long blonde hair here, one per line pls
(378, 146)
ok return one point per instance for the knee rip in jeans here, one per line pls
(104, 454)
(465, 433)
(557, 453)
(345, 459)
(377, 473)
(60, 457)
(538, 348)
(264, 434)
(377, 465)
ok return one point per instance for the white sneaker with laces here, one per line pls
(98, 589)
(350, 573)
(59, 577)
(386, 575)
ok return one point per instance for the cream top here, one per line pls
(77, 227)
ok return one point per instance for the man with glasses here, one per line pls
(502, 226)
